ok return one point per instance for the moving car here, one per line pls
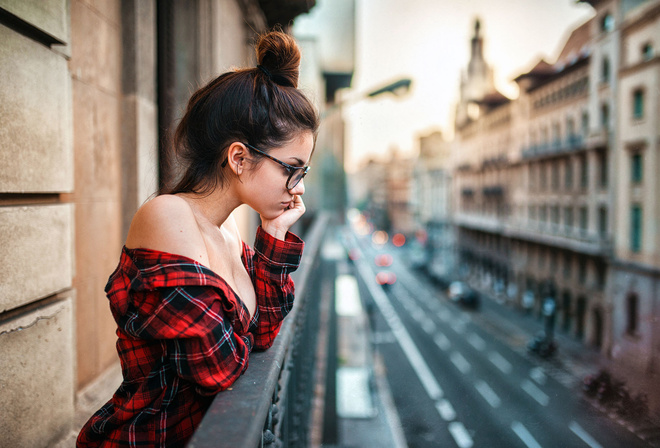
(461, 293)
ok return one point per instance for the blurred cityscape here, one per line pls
(497, 287)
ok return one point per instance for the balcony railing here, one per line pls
(570, 143)
(270, 404)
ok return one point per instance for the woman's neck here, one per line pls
(212, 208)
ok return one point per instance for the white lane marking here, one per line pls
(458, 326)
(460, 435)
(489, 394)
(538, 375)
(405, 341)
(446, 410)
(499, 362)
(584, 435)
(442, 342)
(444, 315)
(461, 363)
(428, 326)
(524, 435)
(536, 393)
(476, 342)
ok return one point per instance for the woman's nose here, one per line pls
(298, 189)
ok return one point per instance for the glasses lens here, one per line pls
(295, 178)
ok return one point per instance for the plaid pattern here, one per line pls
(183, 336)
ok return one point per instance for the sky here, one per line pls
(429, 42)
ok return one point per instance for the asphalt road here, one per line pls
(460, 378)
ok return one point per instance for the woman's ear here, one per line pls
(236, 156)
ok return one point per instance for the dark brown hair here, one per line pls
(261, 106)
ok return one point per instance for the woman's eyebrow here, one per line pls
(298, 162)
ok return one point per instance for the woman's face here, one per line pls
(266, 185)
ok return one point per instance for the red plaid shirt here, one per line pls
(184, 335)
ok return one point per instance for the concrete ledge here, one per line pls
(49, 16)
(37, 375)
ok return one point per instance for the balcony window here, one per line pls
(582, 270)
(568, 174)
(555, 175)
(584, 172)
(636, 168)
(585, 124)
(602, 168)
(647, 51)
(602, 221)
(605, 116)
(632, 310)
(605, 70)
(584, 219)
(568, 218)
(636, 228)
(568, 264)
(638, 104)
(607, 23)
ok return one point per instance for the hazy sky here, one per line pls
(429, 41)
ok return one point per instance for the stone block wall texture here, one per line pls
(35, 112)
(37, 375)
(37, 329)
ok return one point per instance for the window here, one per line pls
(607, 24)
(585, 123)
(556, 135)
(582, 269)
(647, 51)
(555, 175)
(602, 221)
(584, 172)
(568, 174)
(636, 228)
(584, 219)
(568, 218)
(568, 262)
(543, 212)
(638, 104)
(602, 168)
(605, 70)
(554, 215)
(542, 176)
(632, 306)
(636, 168)
(605, 116)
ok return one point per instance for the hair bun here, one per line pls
(279, 54)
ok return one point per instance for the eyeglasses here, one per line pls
(296, 173)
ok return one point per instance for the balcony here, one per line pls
(270, 404)
(558, 147)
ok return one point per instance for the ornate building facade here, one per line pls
(554, 190)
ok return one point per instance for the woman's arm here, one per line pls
(269, 265)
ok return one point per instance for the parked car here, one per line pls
(461, 293)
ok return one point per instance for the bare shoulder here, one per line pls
(166, 223)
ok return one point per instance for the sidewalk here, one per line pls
(574, 360)
(366, 414)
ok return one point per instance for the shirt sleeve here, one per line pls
(269, 265)
(195, 324)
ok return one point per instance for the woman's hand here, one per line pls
(279, 226)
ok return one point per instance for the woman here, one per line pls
(191, 300)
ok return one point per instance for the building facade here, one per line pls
(90, 92)
(554, 190)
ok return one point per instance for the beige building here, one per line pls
(89, 90)
(430, 204)
(554, 191)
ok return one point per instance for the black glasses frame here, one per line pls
(292, 169)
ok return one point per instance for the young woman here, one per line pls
(191, 300)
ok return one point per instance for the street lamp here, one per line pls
(399, 87)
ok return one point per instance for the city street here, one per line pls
(464, 378)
